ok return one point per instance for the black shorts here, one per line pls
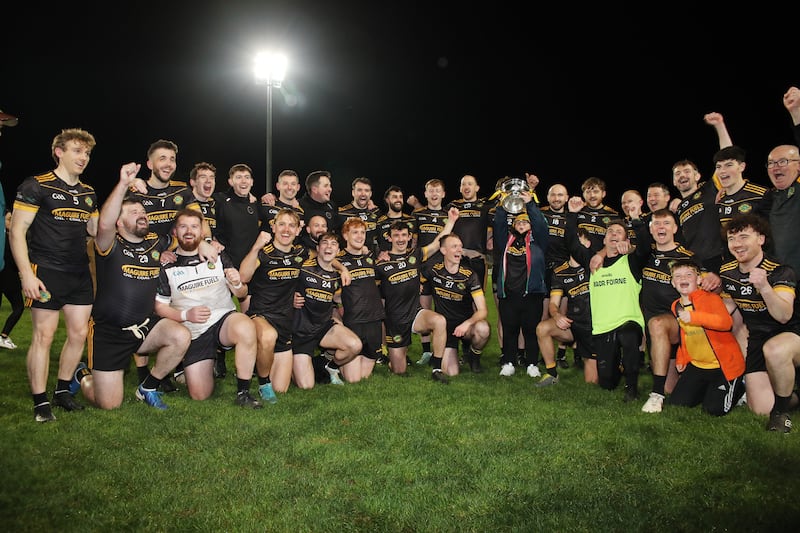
(583, 341)
(205, 346)
(309, 343)
(399, 335)
(110, 347)
(452, 340)
(284, 328)
(755, 361)
(74, 288)
(371, 335)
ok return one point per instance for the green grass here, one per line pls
(389, 454)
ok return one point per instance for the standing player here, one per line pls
(362, 309)
(595, 215)
(394, 213)
(203, 181)
(430, 220)
(162, 197)
(555, 213)
(363, 208)
(288, 185)
(53, 215)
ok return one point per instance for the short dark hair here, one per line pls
(240, 167)
(399, 225)
(363, 180)
(391, 189)
(683, 163)
(328, 236)
(162, 143)
(659, 185)
(743, 221)
(314, 177)
(730, 152)
(201, 166)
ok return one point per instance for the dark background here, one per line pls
(400, 92)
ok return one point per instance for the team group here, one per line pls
(704, 283)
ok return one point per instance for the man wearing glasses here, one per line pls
(783, 167)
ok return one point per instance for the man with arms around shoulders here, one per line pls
(198, 293)
(614, 287)
(123, 319)
(317, 200)
(288, 186)
(162, 197)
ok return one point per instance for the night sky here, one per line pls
(400, 92)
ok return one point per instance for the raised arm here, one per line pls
(433, 246)
(791, 101)
(109, 213)
(716, 120)
(249, 264)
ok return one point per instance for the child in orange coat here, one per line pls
(709, 358)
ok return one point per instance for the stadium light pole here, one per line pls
(270, 70)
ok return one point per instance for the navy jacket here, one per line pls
(539, 237)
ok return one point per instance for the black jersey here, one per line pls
(274, 281)
(268, 213)
(748, 199)
(595, 220)
(657, 291)
(163, 204)
(239, 222)
(318, 287)
(557, 252)
(572, 283)
(430, 223)
(516, 264)
(453, 293)
(327, 210)
(209, 210)
(399, 281)
(699, 221)
(384, 224)
(362, 298)
(473, 222)
(370, 218)
(736, 285)
(127, 280)
(57, 236)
